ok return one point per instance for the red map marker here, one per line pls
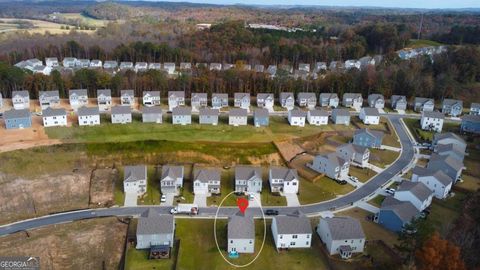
(242, 204)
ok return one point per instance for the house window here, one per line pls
(294, 236)
(231, 241)
(292, 243)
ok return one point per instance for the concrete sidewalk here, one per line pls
(390, 148)
(375, 168)
(200, 200)
(130, 199)
(292, 199)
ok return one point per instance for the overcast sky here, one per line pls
(373, 3)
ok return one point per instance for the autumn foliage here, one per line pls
(439, 254)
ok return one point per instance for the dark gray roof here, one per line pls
(373, 97)
(78, 92)
(294, 223)
(152, 110)
(180, 94)
(264, 95)
(433, 114)
(318, 113)
(406, 211)
(354, 148)
(22, 93)
(451, 102)
(151, 222)
(450, 147)
(375, 133)
(343, 228)
(371, 111)
(418, 189)
(238, 112)
(328, 95)
(475, 105)
(121, 110)
(447, 160)
(396, 98)
(297, 113)
(105, 92)
(241, 226)
(284, 95)
(471, 118)
(172, 171)
(200, 95)
(220, 95)
(443, 178)
(206, 174)
(335, 159)
(351, 95)
(182, 111)
(53, 112)
(448, 135)
(261, 112)
(84, 111)
(284, 173)
(152, 93)
(438, 174)
(52, 93)
(340, 112)
(422, 100)
(15, 114)
(135, 173)
(241, 95)
(307, 95)
(248, 172)
(127, 93)
(208, 111)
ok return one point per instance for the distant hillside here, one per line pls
(110, 11)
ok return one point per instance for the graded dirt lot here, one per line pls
(102, 186)
(88, 244)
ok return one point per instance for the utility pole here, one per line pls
(420, 28)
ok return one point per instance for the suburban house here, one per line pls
(206, 181)
(1, 100)
(241, 233)
(127, 98)
(48, 99)
(121, 114)
(198, 100)
(42, 70)
(265, 100)
(475, 108)
(227, 66)
(366, 61)
(395, 215)
(261, 117)
(21, 100)
(151, 98)
(437, 181)
(341, 235)
(82, 63)
(172, 179)
(376, 101)
(283, 180)
(185, 66)
(399, 103)
(432, 121)
(216, 66)
(292, 231)
(349, 64)
(135, 179)
(352, 100)
(96, 63)
(296, 117)
(54, 117)
(238, 117)
(69, 62)
(51, 62)
(219, 101)
(320, 66)
(470, 124)
(304, 67)
(104, 99)
(152, 115)
(208, 116)
(317, 117)
(110, 64)
(415, 192)
(452, 107)
(287, 100)
(307, 99)
(341, 117)
(248, 179)
(423, 104)
(155, 231)
(452, 150)
(332, 165)
(329, 100)
(448, 164)
(78, 98)
(356, 154)
(259, 68)
(181, 116)
(20, 118)
(370, 116)
(155, 66)
(368, 138)
(169, 68)
(449, 138)
(271, 70)
(126, 65)
(175, 99)
(141, 66)
(242, 100)
(88, 116)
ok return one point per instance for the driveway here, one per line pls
(390, 148)
(375, 168)
(200, 200)
(130, 199)
(368, 207)
(257, 202)
(292, 199)
(169, 202)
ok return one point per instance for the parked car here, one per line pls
(163, 198)
(354, 178)
(342, 182)
(251, 197)
(390, 191)
(271, 212)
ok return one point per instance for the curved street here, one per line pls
(361, 193)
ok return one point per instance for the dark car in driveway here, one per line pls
(271, 212)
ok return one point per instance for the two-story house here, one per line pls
(287, 100)
(248, 179)
(242, 100)
(135, 179)
(78, 98)
(151, 98)
(307, 99)
(368, 138)
(181, 116)
(175, 99)
(291, 231)
(49, 99)
(399, 103)
(219, 101)
(238, 117)
(376, 101)
(432, 121)
(21, 100)
(317, 117)
(208, 116)
(437, 181)
(332, 165)
(370, 116)
(54, 117)
(155, 231)
(415, 192)
(171, 179)
(342, 235)
(341, 117)
(423, 104)
(127, 98)
(198, 100)
(206, 181)
(452, 107)
(104, 99)
(121, 115)
(240, 233)
(352, 100)
(283, 180)
(265, 100)
(88, 116)
(357, 155)
(296, 117)
(329, 100)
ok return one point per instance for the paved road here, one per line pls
(362, 192)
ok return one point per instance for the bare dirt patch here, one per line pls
(88, 244)
(271, 159)
(288, 149)
(102, 185)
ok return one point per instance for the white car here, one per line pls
(390, 191)
(163, 198)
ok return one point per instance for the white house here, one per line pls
(121, 115)
(198, 100)
(296, 117)
(169, 68)
(135, 179)
(88, 116)
(352, 100)
(437, 181)
(283, 180)
(21, 100)
(151, 98)
(370, 116)
(242, 100)
(96, 63)
(292, 231)
(155, 230)
(317, 117)
(238, 117)
(175, 99)
(78, 98)
(69, 62)
(341, 235)
(172, 179)
(307, 99)
(376, 101)
(104, 99)
(206, 181)
(287, 100)
(356, 154)
(49, 99)
(332, 165)
(54, 117)
(248, 179)
(432, 121)
(416, 193)
(241, 233)
(127, 98)
(265, 100)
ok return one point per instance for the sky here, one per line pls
(430, 4)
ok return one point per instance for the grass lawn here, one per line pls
(138, 259)
(377, 200)
(419, 43)
(427, 136)
(363, 174)
(323, 189)
(469, 183)
(382, 158)
(84, 20)
(390, 137)
(152, 197)
(445, 212)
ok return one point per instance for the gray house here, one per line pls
(121, 115)
(287, 100)
(175, 99)
(261, 117)
(206, 181)
(376, 101)
(332, 165)
(181, 116)
(127, 98)
(151, 98)
(307, 99)
(352, 100)
(475, 108)
(17, 119)
(452, 150)
(152, 115)
(399, 103)
(172, 179)
(292, 231)
(448, 164)
(423, 104)
(341, 117)
(449, 138)
(242, 100)
(259, 68)
(241, 233)
(219, 100)
(78, 98)
(284, 180)
(329, 100)
(49, 99)
(265, 100)
(356, 154)
(452, 107)
(248, 179)
(238, 117)
(368, 138)
(208, 116)
(471, 124)
(21, 100)
(104, 99)
(199, 100)
(155, 230)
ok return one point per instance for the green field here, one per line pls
(427, 136)
(321, 190)
(419, 43)
(83, 20)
